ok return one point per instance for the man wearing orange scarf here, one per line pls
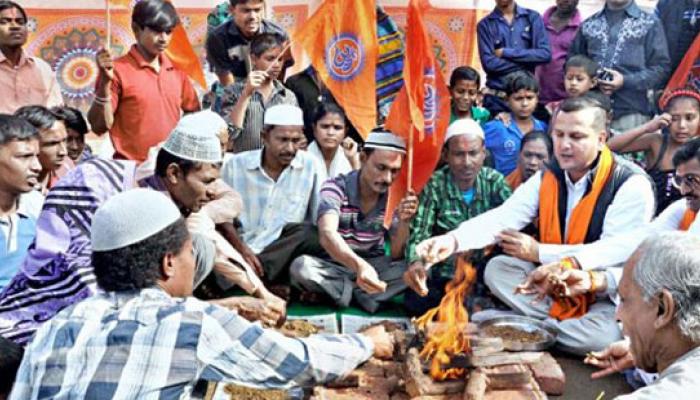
(585, 195)
(679, 216)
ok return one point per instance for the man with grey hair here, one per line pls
(660, 313)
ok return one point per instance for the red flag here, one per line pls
(421, 111)
(183, 56)
(689, 66)
(341, 40)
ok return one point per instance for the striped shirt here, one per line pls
(269, 205)
(364, 233)
(441, 206)
(149, 345)
(247, 137)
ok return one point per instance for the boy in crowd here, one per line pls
(580, 76)
(503, 139)
(465, 84)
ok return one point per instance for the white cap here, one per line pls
(284, 114)
(464, 126)
(385, 141)
(196, 137)
(130, 217)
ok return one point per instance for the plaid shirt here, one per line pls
(148, 345)
(441, 206)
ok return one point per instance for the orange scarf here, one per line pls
(688, 218)
(579, 221)
(514, 179)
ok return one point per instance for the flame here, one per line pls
(451, 338)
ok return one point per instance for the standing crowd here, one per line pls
(570, 179)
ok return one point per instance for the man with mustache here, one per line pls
(24, 80)
(351, 230)
(243, 103)
(19, 163)
(228, 45)
(280, 188)
(140, 97)
(460, 190)
(586, 195)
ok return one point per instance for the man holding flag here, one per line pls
(140, 97)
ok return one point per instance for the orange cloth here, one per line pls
(183, 56)
(421, 111)
(514, 179)
(685, 68)
(341, 41)
(688, 218)
(32, 82)
(550, 233)
(147, 104)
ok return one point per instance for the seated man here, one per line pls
(461, 190)
(281, 186)
(145, 336)
(535, 153)
(19, 163)
(659, 311)
(586, 195)
(245, 101)
(351, 230)
(57, 272)
(53, 136)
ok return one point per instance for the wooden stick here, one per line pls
(108, 12)
(409, 178)
(284, 50)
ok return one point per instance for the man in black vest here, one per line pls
(590, 194)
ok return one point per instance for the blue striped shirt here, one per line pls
(149, 345)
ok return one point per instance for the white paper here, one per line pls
(327, 323)
(353, 323)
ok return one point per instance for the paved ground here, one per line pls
(580, 386)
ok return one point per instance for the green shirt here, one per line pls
(441, 206)
(479, 114)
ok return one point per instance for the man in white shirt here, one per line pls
(586, 195)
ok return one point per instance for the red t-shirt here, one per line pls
(147, 104)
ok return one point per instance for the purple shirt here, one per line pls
(551, 75)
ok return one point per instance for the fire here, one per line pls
(451, 338)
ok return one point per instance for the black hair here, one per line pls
(138, 265)
(538, 135)
(10, 359)
(6, 5)
(589, 66)
(237, 2)
(73, 119)
(165, 158)
(39, 116)
(521, 80)
(588, 100)
(465, 73)
(15, 128)
(678, 95)
(157, 15)
(327, 108)
(688, 151)
(264, 42)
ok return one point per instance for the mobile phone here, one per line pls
(604, 75)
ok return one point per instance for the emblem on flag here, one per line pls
(344, 57)
(430, 102)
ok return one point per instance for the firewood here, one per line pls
(509, 376)
(476, 385)
(419, 384)
(495, 359)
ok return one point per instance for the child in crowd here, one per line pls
(465, 84)
(579, 77)
(661, 137)
(77, 128)
(503, 139)
(337, 152)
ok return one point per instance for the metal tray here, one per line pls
(526, 324)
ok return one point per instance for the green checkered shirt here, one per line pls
(442, 207)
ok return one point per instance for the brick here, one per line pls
(509, 376)
(322, 393)
(549, 375)
(515, 395)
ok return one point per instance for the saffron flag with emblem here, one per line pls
(421, 111)
(341, 41)
(180, 50)
(688, 69)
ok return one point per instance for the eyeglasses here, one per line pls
(692, 181)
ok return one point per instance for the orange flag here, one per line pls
(341, 41)
(689, 66)
(421, 111)
(119, 3)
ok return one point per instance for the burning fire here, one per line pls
(451, 337)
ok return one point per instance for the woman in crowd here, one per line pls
(661, 137)
(338, 152)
